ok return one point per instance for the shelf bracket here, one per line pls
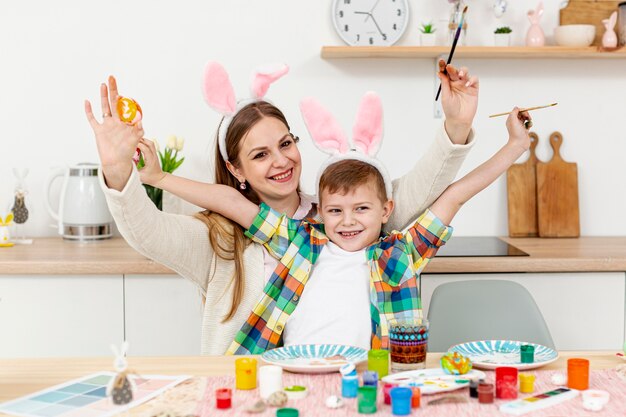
(438, 110)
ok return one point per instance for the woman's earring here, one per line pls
(242, 185)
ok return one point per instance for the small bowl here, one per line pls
(574, 35)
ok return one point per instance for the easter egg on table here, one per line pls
(454, 363)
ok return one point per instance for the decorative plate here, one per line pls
(489, 354)
(433, 380)
(314, 359)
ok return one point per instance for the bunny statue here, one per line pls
(609, 39)
(535, 35)
(19, 209)
(121, 387)
(5, 236)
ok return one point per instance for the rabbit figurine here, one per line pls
(121, 387)
(19, 206)
(609, 39)
(5, 235)
(535, 35)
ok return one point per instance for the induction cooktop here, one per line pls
(478, 246)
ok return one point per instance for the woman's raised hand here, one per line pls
(116, 140)
(459, 99)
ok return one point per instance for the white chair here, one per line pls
(467, 311)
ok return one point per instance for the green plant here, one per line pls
(427, 28)
(503, 29)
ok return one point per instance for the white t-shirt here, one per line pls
(335, 302)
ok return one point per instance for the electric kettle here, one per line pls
(83, 213)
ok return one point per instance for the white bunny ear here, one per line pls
(539, 9)
(218, 90)
(263, 77)
(124, 351)
(367, 133)
(613, 20)
(326, 133)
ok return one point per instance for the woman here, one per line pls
(264, 163)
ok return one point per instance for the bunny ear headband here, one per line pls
(220, 95)
(367, 135)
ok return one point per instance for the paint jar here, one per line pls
(621, 23)
(578, 373)
(526, 383)
(527, 353)
(386, 388)
(287, 412)
(349, 385)
(473, 387)
(401, 401)
(378, 360)
(245, 373)
(485, 393)
(595, 399)
(223, 398)
(370, 378)
(416, 398)
(408, 343)
(270, 380)
(506, 382)
(366, 399)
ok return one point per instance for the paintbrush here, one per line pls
(456, 39)
(527, 109)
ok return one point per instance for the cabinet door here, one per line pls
(584, 311)
(163, 315)
(55, 315)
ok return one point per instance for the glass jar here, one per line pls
(621, 23)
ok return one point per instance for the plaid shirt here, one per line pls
(395, 264)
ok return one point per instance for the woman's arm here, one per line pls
(457, 194)
(218, 198)
(432, 174)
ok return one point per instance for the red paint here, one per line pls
(485, 393)
(224, 398)
(506, 382)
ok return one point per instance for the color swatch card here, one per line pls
(86, 397)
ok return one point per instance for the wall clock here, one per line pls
(370, 22)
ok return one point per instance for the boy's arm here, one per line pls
(457, 194)
(219, 198)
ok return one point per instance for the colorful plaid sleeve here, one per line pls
(425, 238)
(273, 230)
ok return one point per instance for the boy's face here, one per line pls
(354, 220)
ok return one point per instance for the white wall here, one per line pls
(55, 53)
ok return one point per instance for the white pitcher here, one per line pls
(83, 213)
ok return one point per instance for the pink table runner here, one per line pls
(322, 386)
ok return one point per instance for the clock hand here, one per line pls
(377, 27)
(372, 9)
(367, 13)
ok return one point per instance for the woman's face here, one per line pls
(269, 160)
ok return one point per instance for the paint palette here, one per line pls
(433, 380)
(86, 397)
(539, 401)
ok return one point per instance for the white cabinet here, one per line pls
(163, 315)
(48, 316)
(584, 311)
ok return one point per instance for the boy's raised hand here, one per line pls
(517, 125)
(151, 173)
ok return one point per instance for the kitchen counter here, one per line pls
(113, 256)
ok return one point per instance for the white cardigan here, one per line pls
(181, 242)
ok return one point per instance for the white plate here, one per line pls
(433, 380)
(314, 359)
(490, 354)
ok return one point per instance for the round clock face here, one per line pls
(370, 22)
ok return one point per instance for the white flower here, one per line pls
(171, 142)
(180, 142)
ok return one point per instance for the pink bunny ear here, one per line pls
(263, 77)
(613, 20)
(368, 128)
(326, 133)
(218, 91)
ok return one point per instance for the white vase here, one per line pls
(502, 39)
(428, 39)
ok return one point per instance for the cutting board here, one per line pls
(521, 186)
(557, 194)
(588, 12)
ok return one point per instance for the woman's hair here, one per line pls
(346, 175)
(225, 236)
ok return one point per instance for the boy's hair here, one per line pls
(346, 175)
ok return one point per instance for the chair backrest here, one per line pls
(466, 311)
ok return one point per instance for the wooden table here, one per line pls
(19, 377)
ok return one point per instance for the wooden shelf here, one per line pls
(489, 52)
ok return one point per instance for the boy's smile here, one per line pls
(353, 221)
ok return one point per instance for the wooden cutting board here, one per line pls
(521, 186)
(588, 12)
(557, 194)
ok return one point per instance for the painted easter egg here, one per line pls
(454, 363)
